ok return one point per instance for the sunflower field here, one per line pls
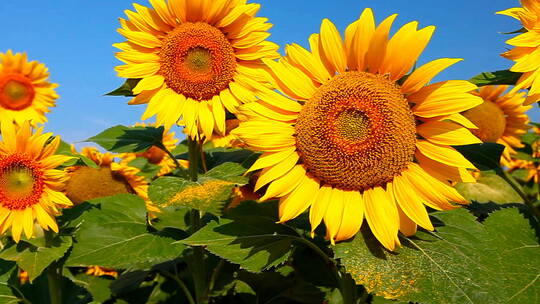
(329, 170)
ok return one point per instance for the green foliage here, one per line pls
(209, 194)
(496, 78)
(489, 188)
(34, 259)
(114, 234)
(255, 243)
(129, 139)
(7, 269)
(464, 261)
(78, 160)
(485, 156)
(126, 89)
(147, 169)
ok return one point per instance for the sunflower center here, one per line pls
(21, 182)
(87, 183)
(154, 155)
(356, 132)
(489, 119)
(16, 92)
(197, 60)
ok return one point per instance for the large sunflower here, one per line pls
(500, 118)
(355, 137)
(194, 58)
(25, 92)
(526, 53)
(109, 179)
(30, 185)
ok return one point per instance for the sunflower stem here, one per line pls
(181, 284)
(515, 185)
(198, 267)
(54, 277)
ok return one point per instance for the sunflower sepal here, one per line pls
(126, 89)
(121, 139)
(501, 77)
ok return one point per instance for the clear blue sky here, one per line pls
(74, 37)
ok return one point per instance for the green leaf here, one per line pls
(255, 243)
(218, 156)
(484, 156)
(172, 217)
(229, 172)
(35, 259)
(128, 139)
(98, 287)
(463, 262)
(7, 269)
(126, 89)
(208, 194)
(114, 234)
(496, 78)
(147, 169)
(530, 138)
(489, 188)
(79, 160)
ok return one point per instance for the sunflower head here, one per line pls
(525, 50)
(194, 59)
(25, 92)
(30, 184)
(501, 118)
(352, 137)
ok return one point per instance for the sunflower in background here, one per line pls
(31, 188)
(25, 92)
(155, 155)
(353, 138)
(110, 178)
(500, 118)
(526, 49)
(195, 59)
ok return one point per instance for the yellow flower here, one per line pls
(228, 139)
(500, 118)
(155, 155)
(30, 185)
(194, 58)
(532, 168)
(526, 52)
(354, 138)
(99, 271)
(111, 178)
(25, 92)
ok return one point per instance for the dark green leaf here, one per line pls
(489, 188)
(98, 287)
(34, 259)
(147, 169)
(496, 78)
(7, 269)
(463, 262)
(79, 159)
(128, 139)
(207, 195)
(126, 89)
(255, 243)
(229, 172)
(117, 224)
(530, 138)
(484, 156)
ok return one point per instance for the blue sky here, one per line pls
(74, 37)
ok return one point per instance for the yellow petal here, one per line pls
(285, 184)
(444, 98)
(409, 202)
(364, 34)
(442, 171)
(334, 214)
(276, 171)
(331, 46)
(382, 216)
(444, 154)
(353, 215)
(293, 204)
(379, 42)
(319, 206)
(423, 75)
(446, 133)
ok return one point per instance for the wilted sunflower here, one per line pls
(500, 118)
(110, 179)
(194, 58)
(30, 185)
(355, 138)
(25, 92)
(155, 155)
(526, 53)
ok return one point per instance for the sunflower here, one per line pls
(356, 138)
(25, 92)
(500, 118)
(194, 58)
(227, 140)
(30, 185)
(155, 155)
(111, 178)
(526, 52)
(99, 271)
